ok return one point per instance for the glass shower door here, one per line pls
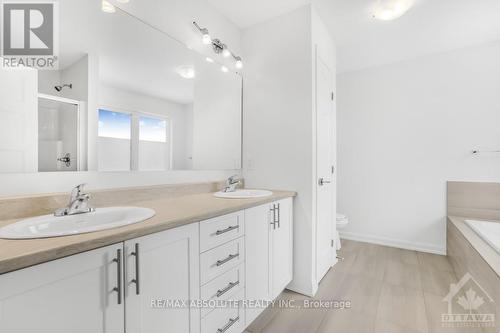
(58, 138)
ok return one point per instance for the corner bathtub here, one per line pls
(488, 231)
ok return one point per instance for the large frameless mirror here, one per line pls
(125, 97)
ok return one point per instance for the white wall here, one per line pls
(18, 120)
(279, 122)
(407, 128)
(216, 120)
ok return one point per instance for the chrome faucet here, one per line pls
(78, 203)
(231, 184)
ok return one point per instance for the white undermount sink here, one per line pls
(243, 194)
(52, 226)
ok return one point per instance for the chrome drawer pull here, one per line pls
(273, 223)
(228, 325)
(137, 270)
(220, 232)
(118, 287)
(230, 286)
(229, 258)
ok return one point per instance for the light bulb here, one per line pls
(107, 7)
(224, 69)
(239, 64)
(386, 10)
(226, 53)
(207, 40)
(210, 60)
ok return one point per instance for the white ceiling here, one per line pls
(431, 26)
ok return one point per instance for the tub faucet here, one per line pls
(231, 184)
(78, 203)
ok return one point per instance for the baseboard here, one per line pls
(420, 247)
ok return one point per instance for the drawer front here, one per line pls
(220, 230)
(221, 259)
(223, 287)
(225, 320)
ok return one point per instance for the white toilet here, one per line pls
(342, 221)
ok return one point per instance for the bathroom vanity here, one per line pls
(152, 276)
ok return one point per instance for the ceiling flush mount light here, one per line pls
(387, 10)
(186, 72)
(218, 47)
(107, 7)
(224, 69)
(210, 60)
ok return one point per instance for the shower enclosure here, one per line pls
(58, 134)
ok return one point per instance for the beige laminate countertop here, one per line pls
(488, 253)
(170, 213)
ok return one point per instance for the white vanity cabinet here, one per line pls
(145, 285)
(162, 267)
(269, 252)
(75, 294)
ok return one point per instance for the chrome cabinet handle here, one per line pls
(229, 258)
(228, 325)
(118, 287)
(322, 182)
(273, 223)
(230, 286)
(228, 229)
(279, 216)
(137, 270)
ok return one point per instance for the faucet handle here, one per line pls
(232, 179)
(77, 191)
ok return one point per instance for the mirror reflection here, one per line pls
(125, 97)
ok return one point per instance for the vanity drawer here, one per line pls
(223, 287)
(221, 259)
(225, 320)
(220, 230)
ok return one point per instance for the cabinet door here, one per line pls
(74, 294)
(257, 257)
(281, 246)
(162, 271)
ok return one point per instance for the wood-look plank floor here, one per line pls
(391, 290)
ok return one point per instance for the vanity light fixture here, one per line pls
(107, 7)
(218, 47)
(225, 52)
(239, 63)
(387, 10)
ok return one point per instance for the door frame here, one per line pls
(81, 130)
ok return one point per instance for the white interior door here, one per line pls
(325, 182)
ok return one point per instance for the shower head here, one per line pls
(59, 88)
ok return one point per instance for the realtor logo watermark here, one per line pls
(468, 305)
(30, 35)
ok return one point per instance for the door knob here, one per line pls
(322, 182)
